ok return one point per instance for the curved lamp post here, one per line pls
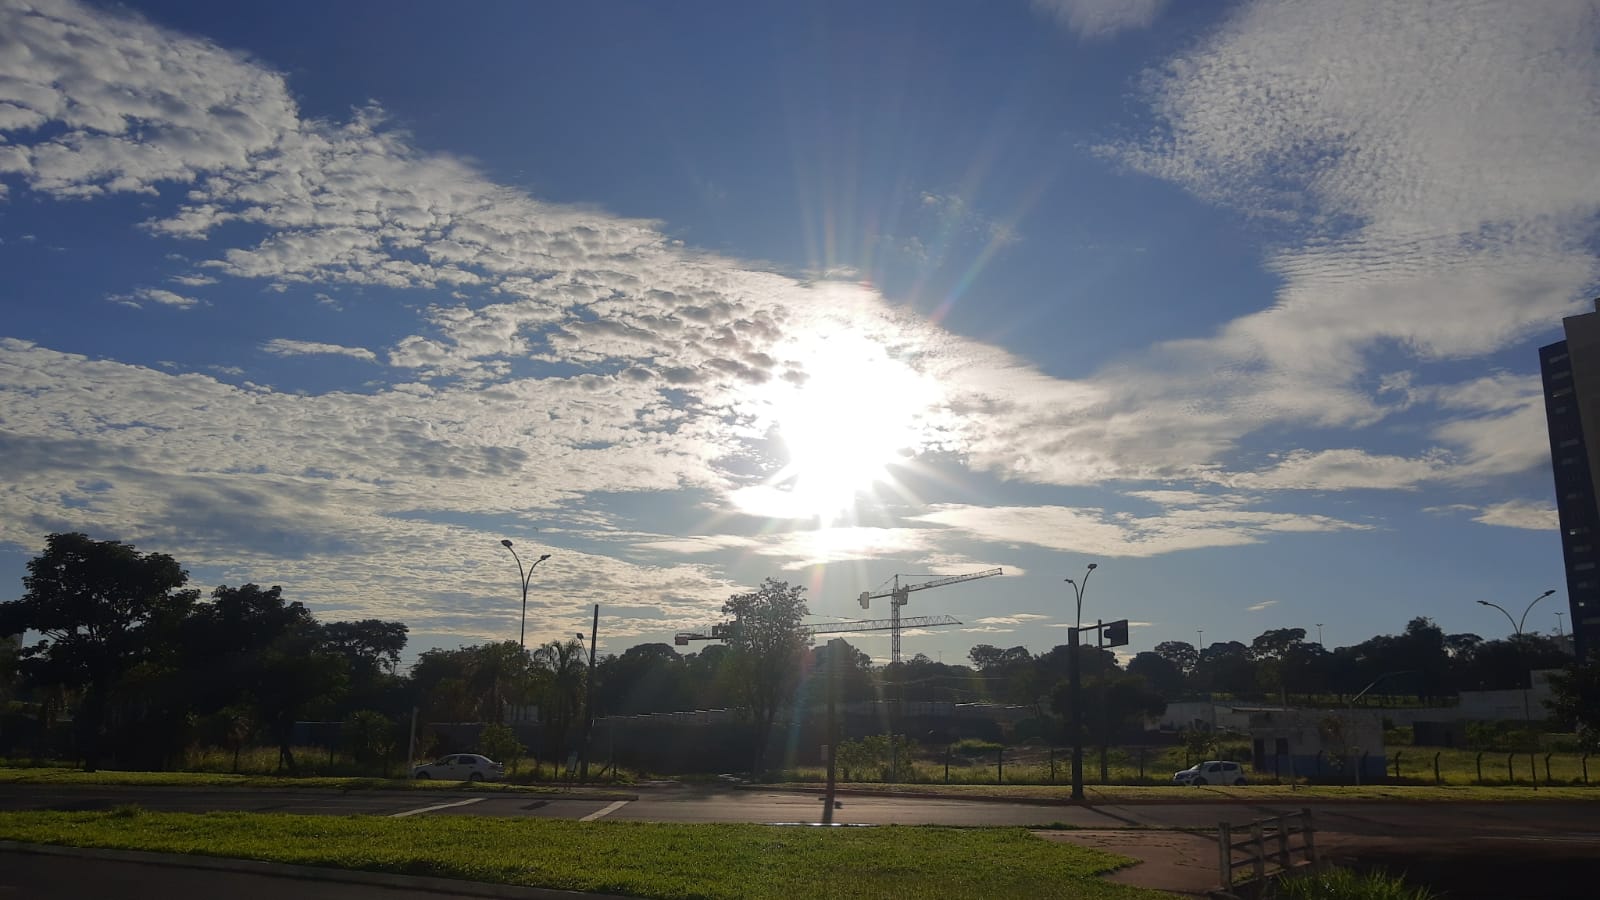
(1076, 684)
(1516, 626)
(526, 575)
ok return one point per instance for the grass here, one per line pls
(1280, 793)
(66, 776)
(631, 858)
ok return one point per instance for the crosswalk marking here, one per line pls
(412, 812)
(602, 813)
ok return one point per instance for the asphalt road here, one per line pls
(1544, 821)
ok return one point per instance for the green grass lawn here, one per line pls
(68, 776)
(1277, 793)
(631, 858)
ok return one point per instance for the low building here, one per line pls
(1322, 744)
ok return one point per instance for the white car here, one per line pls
(1211, 772)
(461, 767)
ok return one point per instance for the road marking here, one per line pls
(602, 813)
(412, 812)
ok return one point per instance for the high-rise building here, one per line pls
(1571, 370)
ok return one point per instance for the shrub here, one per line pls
(1347, 884)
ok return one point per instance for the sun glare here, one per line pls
(856, 413)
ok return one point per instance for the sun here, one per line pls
(849, 414)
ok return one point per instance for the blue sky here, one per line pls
(1239, 301)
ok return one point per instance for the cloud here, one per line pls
(1100, 533)
(1520, 514)
(286, 347)
(1015, 619)
(1101, 18)
(1399, 232)
(1263, 605)
(155, 295)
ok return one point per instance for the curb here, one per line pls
(430, 883)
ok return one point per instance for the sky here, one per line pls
(1238, 301)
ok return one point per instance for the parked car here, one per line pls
(461, 767)
(1213, 771)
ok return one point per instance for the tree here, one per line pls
(767, 641)
(1575, 700)
(1164, 677)
(369, 645)
(102, 609)
(560, 671)
(1181, 654)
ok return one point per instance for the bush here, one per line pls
(499, 743)
(1347, 884)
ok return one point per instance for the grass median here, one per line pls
(639, 859)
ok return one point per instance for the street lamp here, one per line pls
(1516, 625)
(526, 575)
(1073, 644)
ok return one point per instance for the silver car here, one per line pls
(461, 767)
(1213, 771)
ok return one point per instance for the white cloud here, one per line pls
(1263, 605)
(1014, 619)
(1520, 514)
(155, 295)
(1101, 18)
(1099, 533)
(286, 347)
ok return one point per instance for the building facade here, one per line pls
(1571, 372)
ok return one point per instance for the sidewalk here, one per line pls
(1182, 862)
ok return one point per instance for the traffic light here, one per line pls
(1116, 633)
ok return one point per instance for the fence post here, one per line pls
(947, 763)
(1258, 860)
(1000, 766)
(1547, 778)
(1511, 777)
(1141, 764)
(1283, 843)
(1052, 763)
(1585, 762)
(1533, 771)
(1397, 755)
(1225, 855)
(1436, 778)
(1480, 767)
(1311, 843)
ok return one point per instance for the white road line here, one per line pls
(602, 813)
(412, 812)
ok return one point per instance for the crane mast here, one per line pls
(899, 595)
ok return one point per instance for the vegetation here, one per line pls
(632, 858)
(1346, 884)
(134, 669)
(766, 642)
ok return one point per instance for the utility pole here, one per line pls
(1105, 713)
(832, 731)
(588, 700)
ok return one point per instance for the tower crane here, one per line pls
(899, 594)
(722, 630)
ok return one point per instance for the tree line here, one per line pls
(148, 668)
